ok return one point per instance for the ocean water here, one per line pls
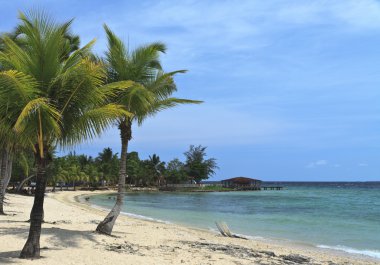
(342, 216)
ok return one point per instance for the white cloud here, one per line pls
(317, 163)
(363, 165)
(209, 124)
(349, 14)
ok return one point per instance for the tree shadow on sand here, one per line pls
(58, 238)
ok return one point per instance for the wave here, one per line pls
(143, 217)
(366, 252)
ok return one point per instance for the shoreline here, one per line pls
(335, 250)
(68, 237)
(341, 249)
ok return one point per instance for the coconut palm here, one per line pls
(8, 140)
(158, 167)
(6, 143)
(150, 94)
(51, 96)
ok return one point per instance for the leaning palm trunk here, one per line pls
(106, 226)
(32, 246)
(5, 175)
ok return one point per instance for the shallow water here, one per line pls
(344, 216)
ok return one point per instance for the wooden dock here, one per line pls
(272, 188)
(259, 188)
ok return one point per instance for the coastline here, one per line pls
(68, 232)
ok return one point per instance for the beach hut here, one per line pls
(242, 183)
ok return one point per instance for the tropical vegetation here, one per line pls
(55, 94)
(72, 170)
(51, 94)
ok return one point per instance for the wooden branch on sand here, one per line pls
(225, 231)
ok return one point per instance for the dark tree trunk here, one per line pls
(31, 248)
(106, 226)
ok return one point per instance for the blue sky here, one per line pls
(291, 88)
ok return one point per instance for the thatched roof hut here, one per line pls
(241, 182)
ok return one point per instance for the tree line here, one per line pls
(74, 170)
(56, 93)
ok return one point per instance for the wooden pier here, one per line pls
(259, 188)
(272, 188)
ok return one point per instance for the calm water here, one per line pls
(343, 216)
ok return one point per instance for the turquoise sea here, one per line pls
(342, 216)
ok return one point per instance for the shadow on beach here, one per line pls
(56, 239)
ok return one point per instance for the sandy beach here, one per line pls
(68, 237)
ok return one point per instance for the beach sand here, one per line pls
(68, 237)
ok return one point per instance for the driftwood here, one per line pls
(225, 231)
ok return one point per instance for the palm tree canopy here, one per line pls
(49, 93)
(152, 86)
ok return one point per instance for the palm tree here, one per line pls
(52, 97)
(158, 167)
(150, 94)
(108, 163)
(8, 141)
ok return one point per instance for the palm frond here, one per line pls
(160, 105)
(136, 99)
(92, 123)
(163, 85)
(13, 82)
(114, 89)
(30, 112)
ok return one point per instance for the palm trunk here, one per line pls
(9, 170)
(5, 175)
(19, 187)
(106, 226)
(32, 246)
(2, 179)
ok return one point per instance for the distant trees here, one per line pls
(197, 167)
(175, 172)
(74, 170)
(108, 165)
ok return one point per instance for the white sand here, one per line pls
(68, 238)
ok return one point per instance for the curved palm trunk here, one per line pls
(32, 246)
(19, 187)
(106, 226)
